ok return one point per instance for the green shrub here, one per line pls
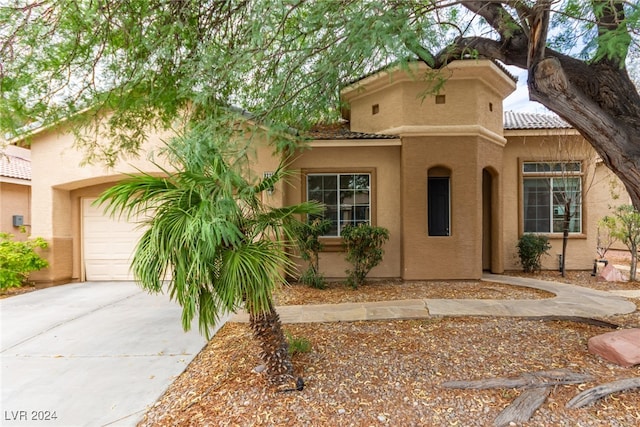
(308, 239)
(18, 259)
(298, 344)
(531, 248)
(363, 244)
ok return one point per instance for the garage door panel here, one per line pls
(108, 244)
(109, 270)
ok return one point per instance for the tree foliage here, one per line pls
(149, 61)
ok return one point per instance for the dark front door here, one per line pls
(438, 208)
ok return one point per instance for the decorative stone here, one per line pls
(620, 347)
(611, 274)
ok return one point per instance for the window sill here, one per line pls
(560, 235)
(331, 244)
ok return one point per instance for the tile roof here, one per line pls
(341, 131)
(512, 121)
(515, 120)
(15, 167)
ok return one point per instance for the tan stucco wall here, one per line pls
(473, 95)
(459, 255)
(57, 170)
(15, 199)
(597, 181)
(15, 195)
(383, 161)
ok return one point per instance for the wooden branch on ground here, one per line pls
(523, 407)
(596, 393)
(526, 380)
(537, 386)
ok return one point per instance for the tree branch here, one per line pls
(496, 16)
(538, 35)
(524, 13)
(483, 47)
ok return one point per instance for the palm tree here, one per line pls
(207, 228)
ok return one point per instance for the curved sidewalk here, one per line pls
(569, 300)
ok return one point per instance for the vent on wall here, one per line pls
(375, 109)
(440, 99)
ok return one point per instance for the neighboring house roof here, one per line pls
(515, 120)
(15, 166)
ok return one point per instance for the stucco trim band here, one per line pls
(453, 130)
(355, 143)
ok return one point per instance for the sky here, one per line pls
(519, 100)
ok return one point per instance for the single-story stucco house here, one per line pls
(15, 191)
(454, 179)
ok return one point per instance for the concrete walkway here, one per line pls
(569, 300)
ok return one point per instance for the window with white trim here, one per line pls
(550, 190)
(346, 196)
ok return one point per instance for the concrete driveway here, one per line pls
(89, 354)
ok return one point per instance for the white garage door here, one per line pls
(108, 244)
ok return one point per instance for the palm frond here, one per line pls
(251, 272)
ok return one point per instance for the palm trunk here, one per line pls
(274, 348)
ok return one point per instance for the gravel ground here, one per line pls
(391, 372)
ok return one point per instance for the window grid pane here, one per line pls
(537, 206)
(545, 199)
(346, 198)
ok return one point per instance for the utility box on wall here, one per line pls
(18, 220)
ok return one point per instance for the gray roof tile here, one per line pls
(515, 120)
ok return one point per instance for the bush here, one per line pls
(18, 259)
(531, 248)
(308, 239)
(363, 244)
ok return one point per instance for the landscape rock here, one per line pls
(611, 274)
(620, 347)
